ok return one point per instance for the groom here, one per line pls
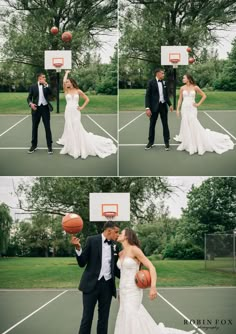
(98, 280)
(157, 102)
(38, 101)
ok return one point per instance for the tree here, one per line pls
(61, 195)
(211, 209)
(227, 79)
(148, 24)
(27, 26)
(5, 226)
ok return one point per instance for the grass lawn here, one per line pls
(65, 273)
(15, 103)
(133, 99)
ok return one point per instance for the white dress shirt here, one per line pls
(161, 93)
(106, 260)
(42, 99)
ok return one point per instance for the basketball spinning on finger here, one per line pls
(72, 223)
(143, 279)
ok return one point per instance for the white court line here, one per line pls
(14, 125)
(30, 315)
(102, 128)
(131, 121)
(146, 144)
(219, 125)
(27, 148)
(178, 311)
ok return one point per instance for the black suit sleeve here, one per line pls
(84, 257)
(148, 95)
(30, 96)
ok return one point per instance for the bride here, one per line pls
(76, 140)
(132, 317)
(193, 137)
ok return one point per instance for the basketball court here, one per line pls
(60, 311)
(136, 161)
(15, 137)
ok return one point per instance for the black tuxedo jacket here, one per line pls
(91, 257)
(152, 95)
(34, 95)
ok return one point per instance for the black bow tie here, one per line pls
(108, 241)
(159, 80)
(41, 84)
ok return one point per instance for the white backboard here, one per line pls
(99, 202)
(174, 52)
(57, 56)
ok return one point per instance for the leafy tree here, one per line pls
(211, 209)
(146, 25)
(5, 226)
(227, 79)
(62, 195)
(26, 28)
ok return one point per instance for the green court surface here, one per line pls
(135, 161)
(15, 140)
(60, 311)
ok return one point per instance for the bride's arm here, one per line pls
(179, 101)
(203, 95)
(64, 80)
(85, 97)
(147, 263)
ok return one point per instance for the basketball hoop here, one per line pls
(174, 58)
(58, 63)
(110, 215)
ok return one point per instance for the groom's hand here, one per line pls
(171, 108)
(76, 242)
(148, 113)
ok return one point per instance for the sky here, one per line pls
(177, 200)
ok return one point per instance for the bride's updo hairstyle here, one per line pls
(132, 237)
(74, 83)
(190, 79)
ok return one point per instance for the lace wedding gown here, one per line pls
(132, 317)
(193, 137)
(76, 140)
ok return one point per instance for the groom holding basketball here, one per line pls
(156, 103)
(98, 280)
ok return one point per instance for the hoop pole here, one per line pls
(174, 93)
(205, 256)
(234, 250)
(58, 91)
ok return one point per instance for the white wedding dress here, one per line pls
(193, 137)
(132, 317)
(76, 140)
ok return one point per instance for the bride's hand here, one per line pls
(153, 293)
(177, 113)
(196, 105)
(79, 108)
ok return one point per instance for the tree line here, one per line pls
(210, 209)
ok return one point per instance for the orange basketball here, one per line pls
(72, 223)
(54, 30)
(191, 60)
(66, 36)
(143, 279)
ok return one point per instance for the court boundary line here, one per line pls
(3, 133)
(220, 125)
(146, 144)
(30, 315)
(134, 119)
(102, 128)
(178, 311)
(27, 148)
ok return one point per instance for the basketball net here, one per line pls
(109, 215)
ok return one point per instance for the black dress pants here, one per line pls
(163, 111)
(42, 111)
(103, 295)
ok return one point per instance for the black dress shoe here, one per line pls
(50, 151)
(32, 149)
(148, 146)
(167, 146)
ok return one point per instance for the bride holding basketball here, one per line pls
(132, 317)
(76, 140)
